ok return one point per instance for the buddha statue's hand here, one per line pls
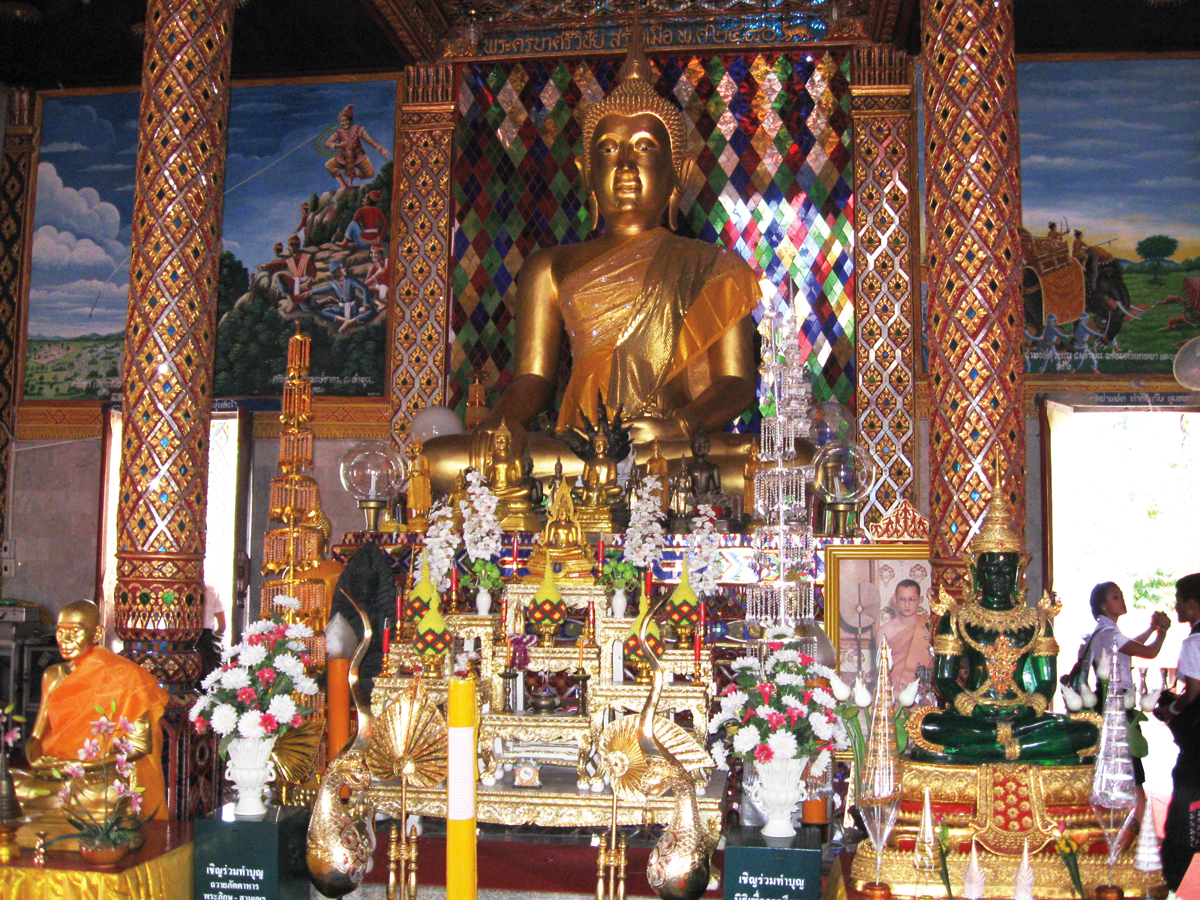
(1037, 702)
(964, 704)
(671, 427)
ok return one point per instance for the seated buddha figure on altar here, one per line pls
(90, 676)
(600, 489)
(995, 667)
(561, 547)
(658, 325)
(507, 481)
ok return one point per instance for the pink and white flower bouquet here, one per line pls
(104, 763)
(250, 695)
(780, 707)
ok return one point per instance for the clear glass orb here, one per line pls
(372, 470)
(845, 472)
(831, 422)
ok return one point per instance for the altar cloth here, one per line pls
(160, 870)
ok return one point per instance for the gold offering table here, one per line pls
(161, 869)
(560, 741)
(557, 803)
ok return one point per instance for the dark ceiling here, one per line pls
(90, 43)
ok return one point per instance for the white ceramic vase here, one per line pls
(483, 601)
(620, 602)
(777, 789)
(249, 768)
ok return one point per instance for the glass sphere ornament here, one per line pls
(372, 473)
(435, 421)
(844, 473)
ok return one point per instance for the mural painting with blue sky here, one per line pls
(1110, 153)
(277, 159)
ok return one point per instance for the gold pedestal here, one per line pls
(999, 806)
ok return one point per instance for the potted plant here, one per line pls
(248, 701)
(619, 577)
(105, 835)
(481, 537)
(781, 715)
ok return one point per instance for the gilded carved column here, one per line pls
(973, 211)
(886, 313)
(170, 334)
(17, 171)
(420, 317)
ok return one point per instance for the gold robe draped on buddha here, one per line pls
(688, 294)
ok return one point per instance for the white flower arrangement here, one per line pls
(777, 709)
(481, 534)
(481, 526)
(703, 550)
(441, 543)
(644, 536)
(250, 695)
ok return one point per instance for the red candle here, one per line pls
(400, 607)
(600, 555)
(700, 636)
(516, 557)
(503, 612)
(591, 615)
(649, 592)
(453, 586)
(387, 636)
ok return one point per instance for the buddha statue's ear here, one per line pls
(686, 170)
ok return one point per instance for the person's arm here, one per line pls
(1147, 644)
(1191, 689)
(374, 143)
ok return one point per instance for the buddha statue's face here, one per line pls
(997, 573)
(630, 171)
(75, 633)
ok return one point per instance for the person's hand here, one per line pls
(1160, 620)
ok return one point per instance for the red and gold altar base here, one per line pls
(1001, 806)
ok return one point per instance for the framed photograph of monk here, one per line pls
(875, 592)
(1111, 236)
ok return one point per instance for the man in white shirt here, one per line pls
(1183, 717)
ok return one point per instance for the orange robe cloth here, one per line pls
(641, 314)
(100, 678)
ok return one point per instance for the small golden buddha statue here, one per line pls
(507, 481)
(657, 467)
(90, 675)
(562, 548)
(458, 496)
(600, 490)
(420, 495)
(749, 470)
(658, 325)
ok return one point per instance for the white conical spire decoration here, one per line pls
(1114, 791)
(879, 800)
(1023, 885)
(1147, 857)
(973, 879)
(923, 849)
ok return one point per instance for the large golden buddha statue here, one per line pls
(90, 676)
(995, 667)
(658, 325)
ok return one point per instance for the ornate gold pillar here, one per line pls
(973, 211)
(170, 334)
(420, 317)
(886, 313)
(17, 168)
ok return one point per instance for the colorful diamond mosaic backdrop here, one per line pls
(772, 138)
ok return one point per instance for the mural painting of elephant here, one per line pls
(1105, 297)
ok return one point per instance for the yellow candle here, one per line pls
(338, 704)
(462, 881)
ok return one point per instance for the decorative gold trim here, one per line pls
(903, 522)
(49, 421)
(912, 726)
(334, 418)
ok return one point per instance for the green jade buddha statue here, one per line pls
(995, 667)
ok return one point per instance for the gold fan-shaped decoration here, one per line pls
(295, 751)
(409, 741)
(626, 763)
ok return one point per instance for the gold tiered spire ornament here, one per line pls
(295, 552)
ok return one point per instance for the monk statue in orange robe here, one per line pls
(658, 325)
(90, 676)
